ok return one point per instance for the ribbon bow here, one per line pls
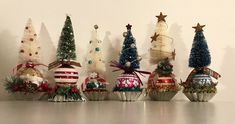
(205, 70)
(61, 62)
(28, 64)
(128, 70)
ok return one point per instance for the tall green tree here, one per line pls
(200, 55)
(129, 55)
(66, 47)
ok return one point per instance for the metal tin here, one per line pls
(162, 96)
(199, 97)
(128, 96)
(95, 95)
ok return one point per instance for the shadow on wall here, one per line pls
(9, 58)
(111, 53)
(181, 69)
(144, 63)
(227, 71)
(48, 51)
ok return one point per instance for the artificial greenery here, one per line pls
(200, 55)
(95, 85)
(70, 92)
(165, 88)
(17, 84)
(126, 89)
(129, 54)
(164, 68)
(199, 88)
(66, 46)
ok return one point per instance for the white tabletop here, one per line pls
(116, 112)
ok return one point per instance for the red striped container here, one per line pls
(161, 81)
(66, 75)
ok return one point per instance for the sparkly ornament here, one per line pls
(124, 34)
(97, 49)
(66, 75)
(89, 62)
(22, 51)
(132, 45)
(128, 64)
(96, 26)
(30, 74)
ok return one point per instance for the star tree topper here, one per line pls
(161, 17)
(199, 27)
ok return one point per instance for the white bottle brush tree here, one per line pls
(28, 78)
(95, 64)
(30, 49)
(161, 43)
(95, 61)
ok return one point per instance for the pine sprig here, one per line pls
(17, 84)
(164, 68)
(70, 92)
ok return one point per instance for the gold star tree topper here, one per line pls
(199, 27)
(161, 17)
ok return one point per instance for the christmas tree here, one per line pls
(95, 61)
(30, 49)
(161, 43)
(129, 56)
(199, 86)
(27, 80)
(200, 55)
(66, 47)
(65, 75)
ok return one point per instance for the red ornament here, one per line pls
(74, 89)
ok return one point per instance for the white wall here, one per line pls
(112, 16)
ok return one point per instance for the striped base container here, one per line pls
(66, 75)
(162, 88)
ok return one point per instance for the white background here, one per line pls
(112, 16)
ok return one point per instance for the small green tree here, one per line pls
(66, 47)
(129, 54)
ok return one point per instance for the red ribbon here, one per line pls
(27, 65)
(205, 70)
(128, 70)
